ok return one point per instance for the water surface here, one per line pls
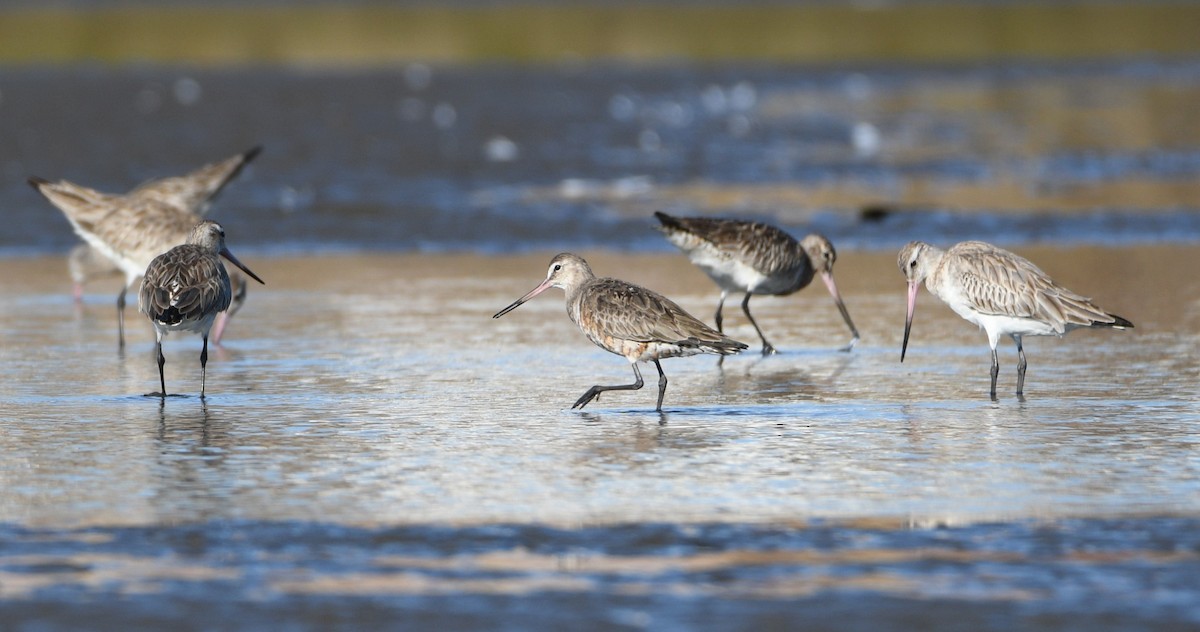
(374, 443)
(376, 450)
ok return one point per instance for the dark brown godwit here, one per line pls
(755, 258)
(185, 288)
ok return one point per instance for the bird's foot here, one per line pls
(850, 347)
(769, 350)
(592, 393)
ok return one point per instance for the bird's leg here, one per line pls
(219, 326)
(203, 364)
(594, 392)
(1020, 365)
(995, 372)
(720, 305)
(662, 385)
(121, 318)
(767, 348)
(162, 382)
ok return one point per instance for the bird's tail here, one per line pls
(1117, 323)
(724, 346)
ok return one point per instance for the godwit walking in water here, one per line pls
(1001, 292)
(185, 288)
(755, 258)
(132, 229)
(630, 321)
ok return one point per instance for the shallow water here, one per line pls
(376, 450)
(505, 159)
(374, 447)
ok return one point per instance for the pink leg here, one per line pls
(219, 327)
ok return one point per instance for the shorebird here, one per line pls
(1001, 292)
(85, 263)
(185, 288)
(628, 320)
(132, 229)
(755, 258)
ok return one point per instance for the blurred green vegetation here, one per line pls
(373, 34)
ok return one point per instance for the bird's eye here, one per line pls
(557, 267)
(912, 264)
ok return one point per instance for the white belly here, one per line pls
(729, 274)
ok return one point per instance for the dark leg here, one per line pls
(162, 382)
(203, 363)
(720, 305)
(121, 318)
(662, 385)
(767, 348)
(594, 392)
(1020, 366)
(995, 372)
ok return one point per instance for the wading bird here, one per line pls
(1001, 292)
(131, 229)
(755, 258)
(186, 287)
(628, 320)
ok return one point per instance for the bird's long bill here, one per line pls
(232, 259)
(837, 298)
(517, 303)
(913, 286)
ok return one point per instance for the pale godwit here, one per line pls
(85, 263)
(195, 191)
(132, 229)
(755, 258)
(1002, 293)
(630, 321)
(185, 288)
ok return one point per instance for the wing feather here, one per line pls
(763, 247)
(629, 312)
(998, 282)
(184, 284)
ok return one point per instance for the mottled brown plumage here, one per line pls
(185, 288)
(1001, 292)
(628, 320)
(134, 228)
(755, 258)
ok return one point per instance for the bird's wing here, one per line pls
(193, 192)
(763, 247)
(184, 283)
(629, 312)
(997, 282)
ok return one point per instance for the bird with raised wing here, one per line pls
(185, 288)
(628, 320)
(132, 229)
(1001, 292)
(755, 258)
